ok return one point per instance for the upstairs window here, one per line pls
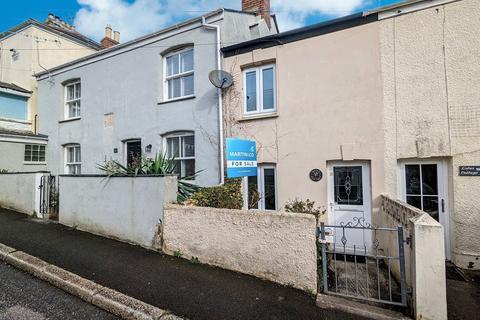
(73, 93)
(13, 107)
(182, 148)
(73, 159)
(179, 74)
(259, 90)
(34, 153)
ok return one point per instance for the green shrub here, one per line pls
(228, 196)
(304, 206)
(160, 165)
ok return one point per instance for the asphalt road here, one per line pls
(194, 291)
(23, 297)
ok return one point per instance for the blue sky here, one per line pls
(134, 18)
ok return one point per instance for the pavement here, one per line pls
(25, 297)
(189, 290)
(463, 293)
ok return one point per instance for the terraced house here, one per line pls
(26, 49)
(146, 96)
(382, 102)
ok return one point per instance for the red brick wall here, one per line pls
(261, 7)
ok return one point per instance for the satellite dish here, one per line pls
(220, 79)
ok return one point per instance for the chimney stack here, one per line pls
(108, 41)
(260, 7)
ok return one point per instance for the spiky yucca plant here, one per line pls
(160, 165)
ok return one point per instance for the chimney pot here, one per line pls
(116, 36)
(108, 32)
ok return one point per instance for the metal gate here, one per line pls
(48, 190)
(363, 271)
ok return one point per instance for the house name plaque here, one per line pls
(471, 171)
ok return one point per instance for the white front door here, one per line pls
(424, 185)
(350, 204)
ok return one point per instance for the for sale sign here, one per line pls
(241, 158)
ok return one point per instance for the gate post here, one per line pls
(401, 255)
(324, 257)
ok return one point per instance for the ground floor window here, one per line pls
(262, 189)
(181, 146)
(34, 153)
(73, 160)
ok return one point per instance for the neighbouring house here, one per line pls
(386, 101)
(146, 96)
(26, 49)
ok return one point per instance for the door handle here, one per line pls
(443, 205)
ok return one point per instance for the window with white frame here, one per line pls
(262, 189)
(182, 147)
(259, 89)
(34, 153)
(73, 93)
(178, 69)
(73, 160)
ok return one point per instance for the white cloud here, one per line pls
(139, 17)
(292, 13)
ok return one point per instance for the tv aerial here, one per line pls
(220, 79)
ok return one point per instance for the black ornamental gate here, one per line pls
(363, 271)
(48, 190)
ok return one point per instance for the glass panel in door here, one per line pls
(421, 188)
(348, 185)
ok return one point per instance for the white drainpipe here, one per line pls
(219, 93)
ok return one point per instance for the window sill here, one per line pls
(258, 116)
(31, 163)
(69, 120)
(176, 100)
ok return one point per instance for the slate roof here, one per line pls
(70, 34)
(22, 133)
(12, 86)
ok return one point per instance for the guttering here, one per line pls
(219, 93)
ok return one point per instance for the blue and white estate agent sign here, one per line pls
(241, 158)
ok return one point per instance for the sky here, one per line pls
(134, 18)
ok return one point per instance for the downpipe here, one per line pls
(220, 98)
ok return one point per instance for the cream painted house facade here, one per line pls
(25, 50)
(379, 102)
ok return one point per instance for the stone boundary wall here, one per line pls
(424, 255)
(275, 246)
(125, 208)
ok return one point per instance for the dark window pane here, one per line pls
(348, 185)
(269, 180)
(174, 88)
(429, 179)
(430, 205)
(251, 90)
(186, 61)
(412, 179)
(189, 167)
(188, 145)
(187, 85)
(252, 193)
(173, 147)
(178, 167)
(415, 201)
(172, 65)
(268, 85)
